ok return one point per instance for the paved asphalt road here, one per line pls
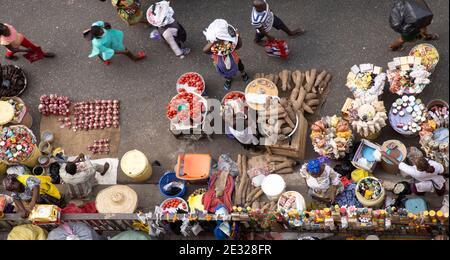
(340, 34)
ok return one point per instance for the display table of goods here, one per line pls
(366, 79)
(332, 137)
(428, 53)
(13, 81)
(434, 137)
(368, 116)
(191, 82)
(407, 76)
(407, 115)
(187, 110)
(18, 146)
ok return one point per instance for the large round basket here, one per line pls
(263, 88)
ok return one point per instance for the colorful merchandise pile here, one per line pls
(368, 116)
(187, 109)
(407, 76)
(428, 53)
(17, 144)
(366, 79)
(97, 114)
(191, 82)
(332, 137)
(407, 115)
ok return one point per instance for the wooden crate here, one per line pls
(296, 146)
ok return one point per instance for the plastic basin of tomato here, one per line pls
(191, 82)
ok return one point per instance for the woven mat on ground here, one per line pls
(75, 143)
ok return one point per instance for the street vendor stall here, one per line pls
(407, 76)
(407, 115)
(18, 146)
(366, 79)
(367, 116)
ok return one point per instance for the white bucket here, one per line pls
(273, 186)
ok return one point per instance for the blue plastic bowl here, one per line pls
(167, 178)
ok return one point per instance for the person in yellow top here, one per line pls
(129, 10)
(27, 191)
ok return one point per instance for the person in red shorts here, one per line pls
(13, 41)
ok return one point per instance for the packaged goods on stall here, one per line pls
(434, 136)
(332, 137)
(366, 79)
(17, 144)
(186, 109)
(12, 81)
(291, 200)
(407, 115)
(191, 82)
(367, 116)
(95, 115)
(54, 105)
(407, 76)
(19, 108)
(428, 54)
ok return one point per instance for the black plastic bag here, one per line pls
(409, 16)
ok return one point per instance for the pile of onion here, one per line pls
(98, 114)
(54, 105)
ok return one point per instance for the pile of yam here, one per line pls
(306, 88)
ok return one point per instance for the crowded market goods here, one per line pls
(407, 115)
(368, 116)
(279, 164)
(19, 109)
(291, 200)
(434, 137)
(187, 110)
(332, 137)
(234, 103)
(135, 165)
(18, 145)
(27, 232)
(366, 79)
(191, 82)
(195, 200)
(54, 105)
(370, 192)
(12, 81)
(101, 146)
(428, 53)
(407, 76)
(96, 114)
(174, 205)
(116, 199)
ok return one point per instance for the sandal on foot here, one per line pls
(227, 85)
(49, 55)
(432, 37)
(245, 77)
(140, 55)
(107, 62)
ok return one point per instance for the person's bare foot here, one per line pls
(297, 32)
(105, 169)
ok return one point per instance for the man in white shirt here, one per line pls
(264, 20)
(426, 173)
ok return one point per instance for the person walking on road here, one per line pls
(106, 42)
(223, 41)
(263, 19)
(410, 19)
(12, 40)
(160, 15)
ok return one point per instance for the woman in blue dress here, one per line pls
(107, 42)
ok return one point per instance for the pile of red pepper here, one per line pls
(193, 80)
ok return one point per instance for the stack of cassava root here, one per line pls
(247, 195)
(307, 88)
(278, 120)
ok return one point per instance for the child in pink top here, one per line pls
(13, 40)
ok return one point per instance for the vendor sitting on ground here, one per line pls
(241, 126)
(427, 174)
(79, 176)
(323, 182)
(27, 191)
